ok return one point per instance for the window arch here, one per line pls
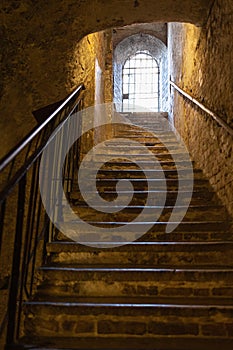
(140, 83)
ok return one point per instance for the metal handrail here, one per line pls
(218, 119)
(18, 148)
(23, 220)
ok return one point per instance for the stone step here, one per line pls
(146, 114)
(122, 281)
(176, 236)
(137, 130)
(156, 141)
(153, 229)
(149, 127)
(126, 164)
(198, 197)
(163, 213)
(150, 140)
(127, 317)
(159, 226)
(137, 121)
(155, 236)
(161, 119)
(134, 129)
(150, 253)
(139, 150)
(155, 144)
(193, 236)
(155, 184)
(136, 343)
(159, 135)
(142, 231)
(147, 122)
(158, 157)
(146, 173)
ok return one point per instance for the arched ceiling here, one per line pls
(157, 29)
(81, 17)
(139, 42)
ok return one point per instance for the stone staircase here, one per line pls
(162, 291)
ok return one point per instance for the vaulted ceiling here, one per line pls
(80, 17)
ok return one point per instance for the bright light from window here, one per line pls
(141, 83)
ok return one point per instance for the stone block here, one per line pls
(214, 330)
(130, 327)
(162, 328)
(85, 327)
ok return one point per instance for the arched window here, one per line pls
(140, 83)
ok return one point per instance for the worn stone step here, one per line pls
(125, 317)
(138, 131)
(194, 236)
(211, 236)
(155, 184)
(129, 213)
(124, 273)
(156, 144)
(198, 198)
(157, 118)
(183, 236)
(151, 140)
(131, 342)
(140, 197)
(146, 114)
(145, 128)
(124, 163)
(159, 225)
(102, 281)
(131, 231)
(160, 254)
(155, 121)
(159, 157)
(153, 231)
(158, 135)
(139, 150)
(147, 125)
(151, 173)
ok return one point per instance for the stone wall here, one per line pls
(89, 63)
(92, 65)
(201, 63)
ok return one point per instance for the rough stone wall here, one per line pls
(39, 39)
(201, 63)
(130, 46)
(108, 72)
(88, 66)
(92, 65)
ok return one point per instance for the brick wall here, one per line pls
(201, 63)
